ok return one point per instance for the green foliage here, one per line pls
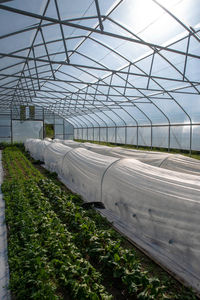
(56, 247)
(42, 255)
(102, 247)
(22, 112)
(49, 130)
(31, 112)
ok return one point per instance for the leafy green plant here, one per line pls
(42, 256)
(57, 247)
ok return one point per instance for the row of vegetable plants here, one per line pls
(63, 249)
(43, 259)
(101, 247)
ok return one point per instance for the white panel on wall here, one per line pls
(103, 134)
(96, 134)
(85, 133)
(27, 129)
(58, 129)
(196, 138)
(90, 134)
(111, 135)
(160, 137)
(144, 136)
(132, 135)
(180, 137)
(121, 135)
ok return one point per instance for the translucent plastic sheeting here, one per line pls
(104, 150)
(162, 207)
(159, 207)
(54, 154)
(37, 147)
(83, 172)
(71, 143)
(174, 162)
(27, 129)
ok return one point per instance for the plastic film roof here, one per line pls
(100, 62)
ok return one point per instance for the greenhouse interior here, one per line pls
(100, 149)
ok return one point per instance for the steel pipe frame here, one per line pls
(111, 10)
(152, 48)
(138, 91)
(121, 37)
(62, 32)
(112, 111)
(94, 119)
(158, 125)
(173, 97)
(173, 100)
(47, 91)
(99, 15)
(177, 20)
(180, 106)
(107, 97)
(115, 111)
(31, 48)
(136, 105)
(174, 90)
(93, 111)
(86, 37)
(89, 67)
(90, 38)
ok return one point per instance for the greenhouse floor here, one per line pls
(4, 270)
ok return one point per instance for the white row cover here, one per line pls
(37, 147)
(161, 207)
(174, 162)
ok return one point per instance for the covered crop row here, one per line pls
(160, 207)
(43, 259)
(54, 246)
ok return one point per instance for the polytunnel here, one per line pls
(120, 72)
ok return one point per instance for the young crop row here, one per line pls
(55, 247)
(101, 248)
(43, 260)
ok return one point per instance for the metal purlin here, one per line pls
(107, 95)
(128, 99)
(157, 83)
(88, 37)
(90, 117)
(112, 120)
(80, 97)
(96, 121)
(84, 38)
(177, 20)
(158, 52)
(170, 97)
(106, 33)
(31, 48)
(155, 77)
(105, 106)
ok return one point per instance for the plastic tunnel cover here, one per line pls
(161, 208)
(115, 66)
(158, 207)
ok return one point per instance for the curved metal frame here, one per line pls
(31, 84)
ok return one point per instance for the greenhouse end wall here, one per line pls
(175, 136)
(15, 127)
